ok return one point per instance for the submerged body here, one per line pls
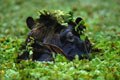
(47, 36)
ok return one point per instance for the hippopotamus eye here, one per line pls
(70, 37)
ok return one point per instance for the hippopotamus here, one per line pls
(48, 36)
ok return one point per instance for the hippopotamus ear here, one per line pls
(78, 20)
(30, 22)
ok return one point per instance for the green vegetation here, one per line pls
(103, 21)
